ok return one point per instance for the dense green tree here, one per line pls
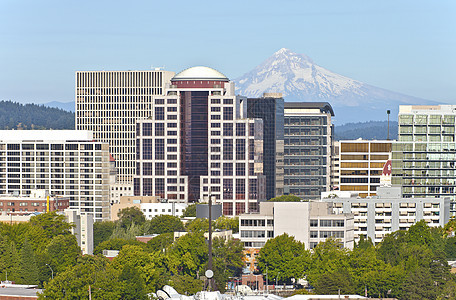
(419, 285)
(450, 248)
(190, 211)
(89, 272)
(197, 225)
(131, 284)
(102, 231)
(130, 215)
(29, 272)
(9, 260)
(127, 233)
(286, 198)
(227, 223)
(62, 252)
(160, 242)
(188, 254)
(116, 244)
(331, 282)
(186, 284)
(227, 260)
(279, 257)
(52, 223)
(163, 224)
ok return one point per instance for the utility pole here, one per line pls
(209, 262)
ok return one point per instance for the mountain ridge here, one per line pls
(299, 78)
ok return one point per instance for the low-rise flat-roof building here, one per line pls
(377, 216)
(151, 206)
(35, 202)
(309, 222)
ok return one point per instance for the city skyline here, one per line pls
(404, 47)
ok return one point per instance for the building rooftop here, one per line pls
(199, 73)
(323, 106)
(45, 135)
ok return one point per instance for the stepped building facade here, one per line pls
(198, 142)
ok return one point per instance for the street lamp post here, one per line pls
(209, 262)
(276, 280)
(52, 271)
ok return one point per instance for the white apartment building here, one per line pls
(110, 102)
(119, 190)
(83, 229)
(152, 210)
(308, 222)
(377, 216)
(63, 162)
(199, 141)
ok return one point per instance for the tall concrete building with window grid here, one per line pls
(63, 162)
(110, 102)
(199, 142)
(308, 142)
(424, 158)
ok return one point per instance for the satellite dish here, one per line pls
(209, 274)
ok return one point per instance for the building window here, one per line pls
(240, 129)
(159, 113)
(147, 129)
(159, 149)
(240, 149)
(227, 149)
(240, 189)
(159, 129)
(159, 168)
(227, 169)
(227, 113)
(228, 190)
(240, 169)
(147, 148)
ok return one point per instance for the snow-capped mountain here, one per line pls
(298, 78)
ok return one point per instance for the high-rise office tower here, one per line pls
(109, 103)
(270, 108)
(198, 142)
(424, 157)
(63, 162)
(308, 142)
(361, 164)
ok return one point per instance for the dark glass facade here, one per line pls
(194, 139)
(271, 111)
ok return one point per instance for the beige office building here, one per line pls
(361, 165)
(110, 102)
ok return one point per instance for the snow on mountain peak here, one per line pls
(294, 75)
(298, 78)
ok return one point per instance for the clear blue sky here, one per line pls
(404, 46)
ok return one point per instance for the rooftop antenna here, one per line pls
(157, 68)
(388, 112)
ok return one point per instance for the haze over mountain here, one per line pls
(298, 78)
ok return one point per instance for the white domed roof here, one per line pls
(199, 73)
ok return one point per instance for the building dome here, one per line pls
(200, 73)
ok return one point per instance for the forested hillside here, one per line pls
(373, 130)
(15, 115)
